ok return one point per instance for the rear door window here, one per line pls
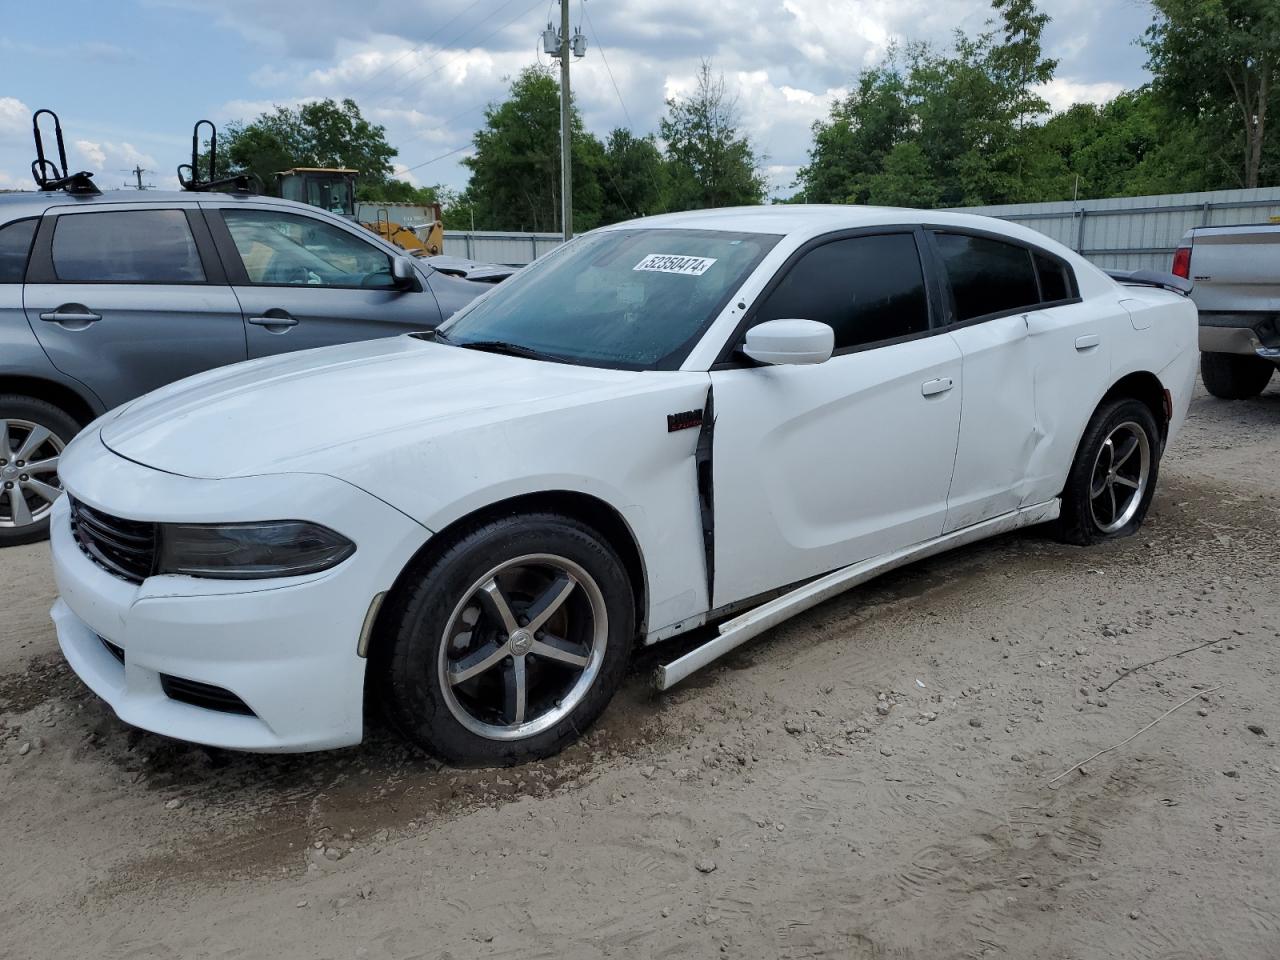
(126, 246)
(15, 247)
(867, 289)
(987, 276)
(1055, 284)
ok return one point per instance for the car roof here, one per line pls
(801, 219)
(14, 206)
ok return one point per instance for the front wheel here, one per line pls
(511, 644)
(1113, 478)
(33, 434)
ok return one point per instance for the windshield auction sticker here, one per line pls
(671, 263)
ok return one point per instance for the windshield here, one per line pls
(628, 299)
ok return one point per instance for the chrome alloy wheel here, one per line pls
(1120, 476)
(28, 472)
(523, 647)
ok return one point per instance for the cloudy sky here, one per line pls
(130, 77)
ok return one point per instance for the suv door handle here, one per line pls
(1088, 341)
(284, 322)
(63, 315)
(932, 388)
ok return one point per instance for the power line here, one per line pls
(418, 166)
(395, 84)
(387, 66)
(445, 122)
(410, 75)
(595, 36)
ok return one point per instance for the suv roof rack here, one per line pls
(55, 176)
(239, 183)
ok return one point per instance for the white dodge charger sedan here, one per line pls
(719, 417)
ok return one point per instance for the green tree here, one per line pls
(904, 180)
(515, 169)
(1130, 146)
(633, 177)
(861, 131)
(392, 190)
(1218, 61)
(319, 134)
(711, 164)
(970, 113)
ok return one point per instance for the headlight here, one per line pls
(250, 551)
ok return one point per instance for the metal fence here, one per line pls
(1120, 233)
(1132, 233)
(497, 246)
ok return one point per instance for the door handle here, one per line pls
(932, 388)
(69, 316)
(1088, 341)
(269, 322)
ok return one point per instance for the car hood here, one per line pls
(312, 411)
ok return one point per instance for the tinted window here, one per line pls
(987, 276)
(15, 245)
(866, 288)
(135, 246)
(1054, 284)
(284, 248)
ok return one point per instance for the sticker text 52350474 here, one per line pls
(673, 263)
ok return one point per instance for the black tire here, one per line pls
(407, 658)
(1079, 522)
(1232, 376)
(62, 426)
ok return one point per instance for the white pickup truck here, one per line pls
(1235, 273)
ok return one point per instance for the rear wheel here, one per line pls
(1113, 478)
(511, 644)
(1233, 376)
(33, 434)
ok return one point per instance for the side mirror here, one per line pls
(790, 341)
(403, 272)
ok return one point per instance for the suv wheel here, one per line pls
(33, 434)
(1113, 478)
(1231, 376)
(511, 644)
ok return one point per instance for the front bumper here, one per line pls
(286, 648)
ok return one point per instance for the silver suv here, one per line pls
(106, 296)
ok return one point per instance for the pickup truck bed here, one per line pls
(1235, 272)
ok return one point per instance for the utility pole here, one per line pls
(138, 172)
(566, 128)
(562, 44)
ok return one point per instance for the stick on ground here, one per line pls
(1168, 656)
(1132, 736)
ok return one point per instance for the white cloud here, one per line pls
(1061, 92)
(426, 68)
(15, 120)
(91, 151)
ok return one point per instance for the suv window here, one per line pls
(284, 248)
(126, 246)
(1055, 283)
(867, 289)
(987, 276)
(15, 246)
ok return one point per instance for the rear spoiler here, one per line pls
(1152, 278)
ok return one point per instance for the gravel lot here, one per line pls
(870, 780)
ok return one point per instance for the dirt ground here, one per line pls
(870, 780)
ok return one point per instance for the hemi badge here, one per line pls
(684, 421)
